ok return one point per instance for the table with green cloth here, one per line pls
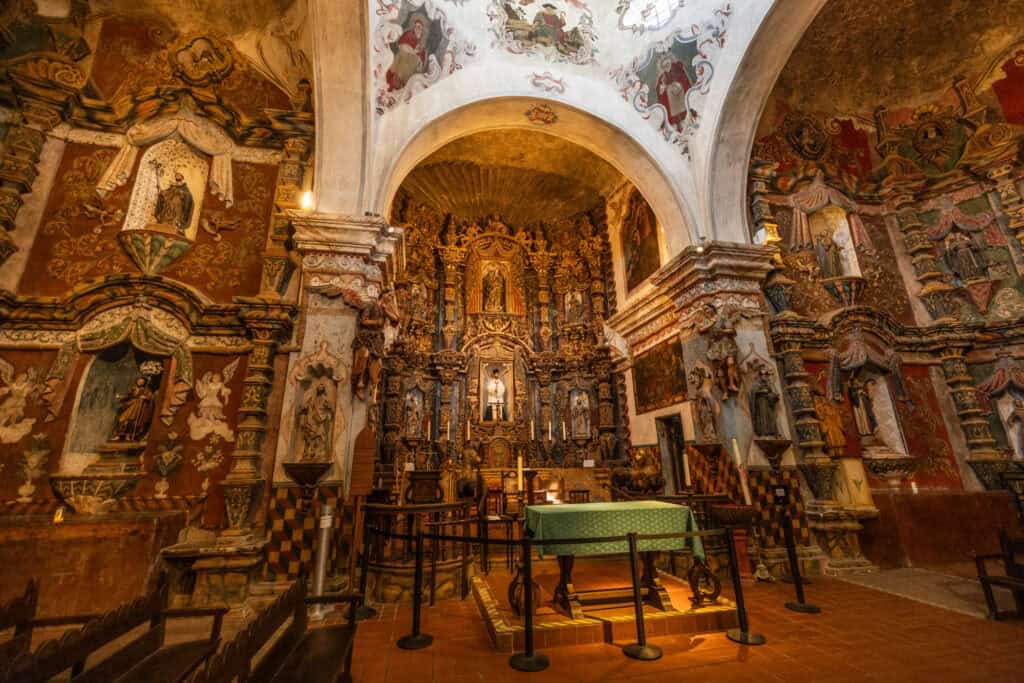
(602, 520)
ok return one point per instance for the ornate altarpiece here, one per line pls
(501, 352)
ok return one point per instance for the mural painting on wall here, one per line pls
(659, 377)
(1010, 88)
(17, 391)
(639, 234)
(639, 16)
(414, 46)
(974, 252)
(663, 84)
(925, 432)
(560, 30)
(213, 393)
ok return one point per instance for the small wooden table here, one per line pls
(601, 520)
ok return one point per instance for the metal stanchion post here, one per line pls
(794, 568)
(485, 535)
(742, 634)
(528, 660)
(365, 611)
(322, 553)
(417, 640)
(640, 649)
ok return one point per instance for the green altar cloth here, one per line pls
(597, 520)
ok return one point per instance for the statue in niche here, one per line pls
(963, 258)
(15, 393)
(863, 409)
(494, 290)
(580, 415)
(829, 256)
(316, 422)
(722, 350)
(704, 406)
(135, 413)
(413, 414)
(368, 345)
(831, 424)
(213, 395)
(1015, 421)
(573, 306)
(763, 399)
(497, 405)
(174, 203)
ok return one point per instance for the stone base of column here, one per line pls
(990, 467)
(213, 570)
(837, 529)
(812, 561)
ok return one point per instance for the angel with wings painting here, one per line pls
(15, 393)
(213, 394)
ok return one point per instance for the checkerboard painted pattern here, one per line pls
(291, 536)
(768, 517)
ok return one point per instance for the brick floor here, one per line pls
(861, 635)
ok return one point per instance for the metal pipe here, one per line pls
(323, 547)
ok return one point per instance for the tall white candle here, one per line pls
(519, 471)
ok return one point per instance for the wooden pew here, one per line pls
(1010, 549)
(19, 616)
(143, 658)
(299, 654)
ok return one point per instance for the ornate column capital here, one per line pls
(336, 234)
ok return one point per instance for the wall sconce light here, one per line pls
(307, 200)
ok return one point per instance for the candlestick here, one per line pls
(519, 471)
(467, 428)
(563, 430)
(533, 430)
(549, 430)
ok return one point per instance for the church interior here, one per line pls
(465, 340)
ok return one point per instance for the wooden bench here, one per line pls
(1010, 549)
(300, 654)
(143, 658)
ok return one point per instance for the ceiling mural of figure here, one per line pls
(560, 31)
(414, 46)
(640, 249)
(665, 82)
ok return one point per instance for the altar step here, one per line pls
(614, 626)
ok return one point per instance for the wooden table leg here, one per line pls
(565, 593)
(657, 595)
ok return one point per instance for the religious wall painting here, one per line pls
(414, 46)
(558, 30)
(201, 60)
(213, 393)
(659, 377)
(1009, 89)
(925, 431)
(971, 249)
(166, 461)
(18, 390)
(638, 16)
(638, 231)
(665, 83)
(497, 386)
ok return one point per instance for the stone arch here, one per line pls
(725, 174)
(597, 134)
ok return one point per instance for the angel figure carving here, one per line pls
(213, 394)
(15, 393)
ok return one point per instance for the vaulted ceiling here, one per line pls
(522, 175)
(858, 54)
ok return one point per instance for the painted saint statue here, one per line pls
(174, 205)
(495, 397)
(672, 85)
(316, 418)
(763, 399)
(863, 409)
(494, 291)
(830, 259)
(410, 55)
(963, 258)
(580, 416)
(135, 412)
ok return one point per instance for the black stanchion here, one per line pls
(742, 634)
(640, 649)
(794, 567)
(484, 532)
(365, 611)
(528, 660)
(417, 640)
